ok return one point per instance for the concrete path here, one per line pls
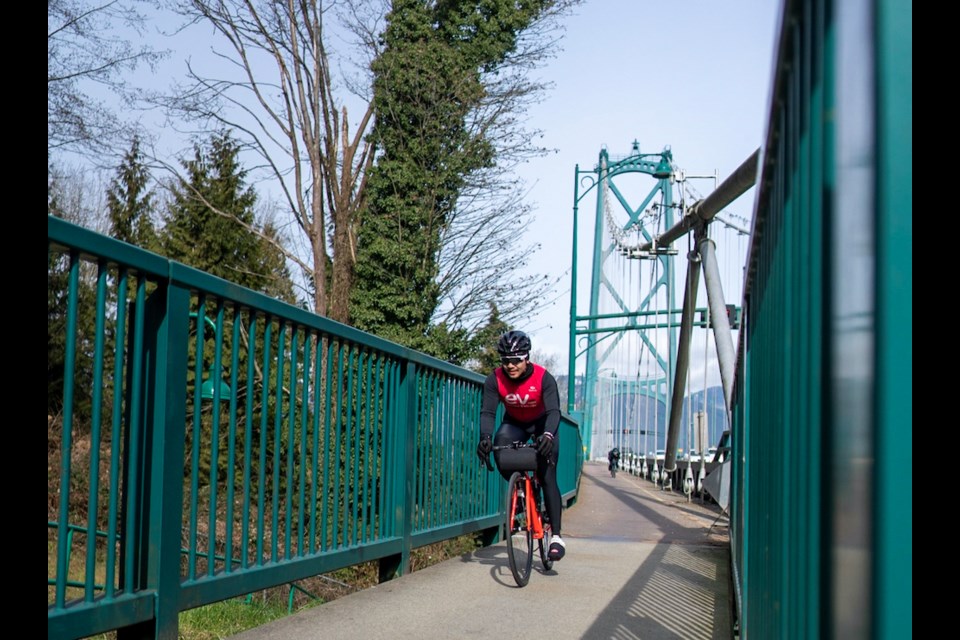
(641, 563)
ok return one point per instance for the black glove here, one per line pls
(545, 444)
(484, 447)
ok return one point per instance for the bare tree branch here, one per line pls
(279, 94)
(87, 53)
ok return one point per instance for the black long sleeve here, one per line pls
(551, 403)
(488, 406)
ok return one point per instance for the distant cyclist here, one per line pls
(531, 404)
(613, 458)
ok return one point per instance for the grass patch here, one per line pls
(230, 617)
(217, 620)
(222, 619)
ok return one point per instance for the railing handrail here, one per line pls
(331, 446)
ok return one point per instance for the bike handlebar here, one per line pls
(513, 445)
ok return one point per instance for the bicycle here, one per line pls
(524, 521)
(612, 466)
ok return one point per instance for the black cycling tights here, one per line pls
(546, 473)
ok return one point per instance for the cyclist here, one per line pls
(531, 404)
(613, 458)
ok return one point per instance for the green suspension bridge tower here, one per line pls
(642, 186)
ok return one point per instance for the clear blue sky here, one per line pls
(691, 74)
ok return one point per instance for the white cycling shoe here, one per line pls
(558, 548)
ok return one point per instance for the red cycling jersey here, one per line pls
(522, 400)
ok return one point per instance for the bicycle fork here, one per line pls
(534, 520)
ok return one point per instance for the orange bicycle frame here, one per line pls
(534, 520)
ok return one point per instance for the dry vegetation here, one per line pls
(307, 592)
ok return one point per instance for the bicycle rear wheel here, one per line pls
(519, 534)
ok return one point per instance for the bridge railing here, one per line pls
(821, 524)
(210, 441)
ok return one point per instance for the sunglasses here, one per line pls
(512, 359)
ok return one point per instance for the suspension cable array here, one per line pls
(638, 386)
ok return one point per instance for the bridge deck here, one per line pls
(642, 563)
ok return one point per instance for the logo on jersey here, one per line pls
(517, 400)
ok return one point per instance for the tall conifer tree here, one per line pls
(130, 201)
(427, 81)
(211, 222)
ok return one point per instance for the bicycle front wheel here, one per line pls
(519, 532)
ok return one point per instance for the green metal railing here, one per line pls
(821, 533)
(214, 442)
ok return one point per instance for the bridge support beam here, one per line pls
(718, 319)
(683, 361)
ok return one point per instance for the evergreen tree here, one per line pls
(279, 283)
(427, 81)
(212, 226)
(485, 355)
(211, 223)
(130, 203)
(58, 283)
(56, 313)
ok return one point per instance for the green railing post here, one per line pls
(166, 426)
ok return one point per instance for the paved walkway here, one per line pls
(641, 563)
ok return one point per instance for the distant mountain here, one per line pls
(715, 410)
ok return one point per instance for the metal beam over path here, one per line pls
(700, 215)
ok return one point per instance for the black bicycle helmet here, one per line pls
(514, 343)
